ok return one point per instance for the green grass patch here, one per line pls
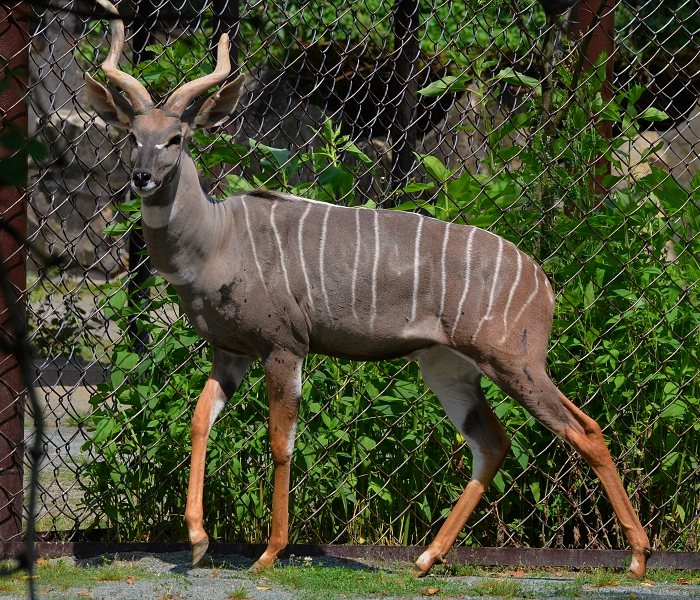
(338, 582)
(333, 582)
(61, 575)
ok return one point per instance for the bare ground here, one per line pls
(169, 577)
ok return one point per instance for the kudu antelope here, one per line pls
(272, 276)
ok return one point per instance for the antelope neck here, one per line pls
(178, 221)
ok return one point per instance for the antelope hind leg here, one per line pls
(533, 388)
(227, 373)
(591, 445)
(456, 381)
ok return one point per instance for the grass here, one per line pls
(61, 575)
(343, 582)
(315, 581)
(333, 582)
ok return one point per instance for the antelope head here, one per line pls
(159, 136)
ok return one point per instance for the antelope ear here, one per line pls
(218, 107)
(109, 103)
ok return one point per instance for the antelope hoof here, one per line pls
(260, 566)
(425, 562)
(638, 566)
(199, 549)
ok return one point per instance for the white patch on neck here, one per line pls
(156, 216)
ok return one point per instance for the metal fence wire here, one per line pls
(573, 135)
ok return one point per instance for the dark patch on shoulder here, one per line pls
(225, 294)
(523, 340)
(527, 374)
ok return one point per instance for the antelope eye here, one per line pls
(175, 140)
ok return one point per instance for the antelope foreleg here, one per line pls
(227, 373)
(208, 406)
(283, 379)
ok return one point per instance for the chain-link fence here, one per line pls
(572, 135)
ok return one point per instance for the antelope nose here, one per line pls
(141, 178)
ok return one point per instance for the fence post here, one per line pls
(14, 54)
(228, 12)
(404, 89)
(596, 18)
(139, 261)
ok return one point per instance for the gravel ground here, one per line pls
(170, 578)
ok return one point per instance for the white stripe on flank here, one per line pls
(416, 269)
(531, 297)
(321, 258)
(301, 254)
(443, 272)
(279, 246)
(488, 316)
(252, 242)
(375, 269)
(510, 297)
(356, 264)
(467, 276)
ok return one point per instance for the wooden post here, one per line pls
(14, 43)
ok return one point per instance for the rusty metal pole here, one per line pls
(596, 19)
(13, 113)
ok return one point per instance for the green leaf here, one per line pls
(653, 114)
(415, 187)
(449, 83)
(512, 76)
(278, 156)
(352, 148)
(435, 168)
(675, 410)
(411, 205)
(588, 295)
